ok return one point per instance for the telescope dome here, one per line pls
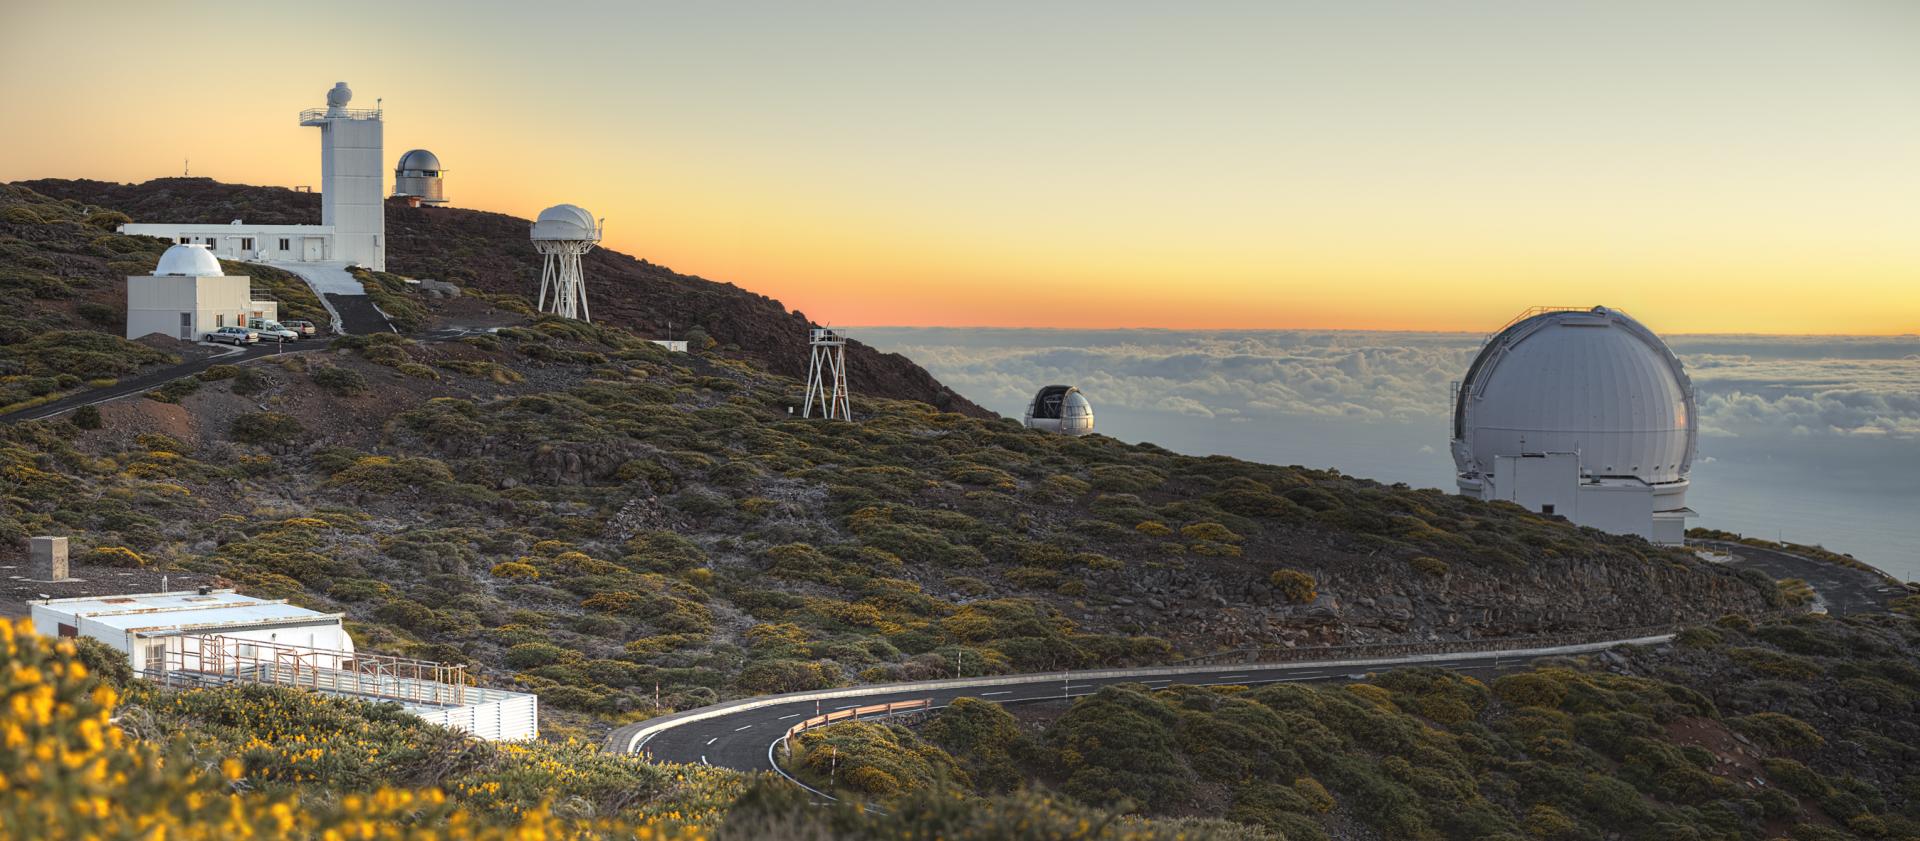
(188, 260)
(419, 161)
(565, 222)
(1060, 408)
(1595, 383)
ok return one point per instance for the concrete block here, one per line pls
(48, 559)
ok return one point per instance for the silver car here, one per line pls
(232, 336)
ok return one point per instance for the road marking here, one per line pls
(703, 760)
(738, 729)
(795, 715)
(1001, 692)
(712, 740)
(847, 707)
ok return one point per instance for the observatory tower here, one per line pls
(418, 178)
(564, 233)
(350, 178)
(1582, 413)
(828, 362)
(1062, 409)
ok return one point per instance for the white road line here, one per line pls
(712, 740)
(795, 715)
(1001, 692)
(846, 707)
(703, 760)
(738, 729)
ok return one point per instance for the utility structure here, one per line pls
(828, 362)
(1583, 413)
(419, 178)
(564, 233)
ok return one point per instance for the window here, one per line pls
(185, 240)
(1547, 508)
(156, 656)
(285, 244)
(219, 319)
(246, 243)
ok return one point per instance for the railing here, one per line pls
(855, 713)
(200, 660)
(312, 114)
(1393, 649)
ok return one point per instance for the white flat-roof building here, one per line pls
(353, 224)
(188, 296)
(219, 637)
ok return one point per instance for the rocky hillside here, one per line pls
(489, 252)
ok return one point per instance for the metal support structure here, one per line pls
(561, 276)
(828, 362)
(199, 660)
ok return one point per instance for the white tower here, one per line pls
(829, 361)
(351, 179)
(563, 233)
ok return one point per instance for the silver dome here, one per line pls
(1593, 382)
(1060, 408)
(419, 162)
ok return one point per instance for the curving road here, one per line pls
(1840, 590)
(741, 734)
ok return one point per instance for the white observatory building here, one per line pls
(353, 219)
(564, 233)
(188, 296)
(1583, 413)
(1062, 409)
(418, 178)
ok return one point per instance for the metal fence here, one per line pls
(855, 713)
(1400, 649)
(212, 659)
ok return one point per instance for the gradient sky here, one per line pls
(1710, 165)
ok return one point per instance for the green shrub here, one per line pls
(338, 380)
(266, 428)
(1293, 585)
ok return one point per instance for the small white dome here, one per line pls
(1593, 382)
(1060, 408)
(339, 96)
(189, 260)
(565, 222)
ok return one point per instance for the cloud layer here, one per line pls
(1748, 386)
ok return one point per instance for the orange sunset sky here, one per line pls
(1710, 166)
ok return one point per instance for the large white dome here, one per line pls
(189, 260)
(1593, 382)
(565, 221)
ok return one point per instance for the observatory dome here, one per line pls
(565, 222)
(1591, 382)
(420, 161)
(1060, 408)
(190, 261)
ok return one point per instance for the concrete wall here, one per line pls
(1553, 479)
(352, 190)
(155, 304)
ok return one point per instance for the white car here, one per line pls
(232, 336)
(272, 330)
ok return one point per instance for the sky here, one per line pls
(1714, 166)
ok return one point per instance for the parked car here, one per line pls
(271, 330)
(233, 336)
(304, 328)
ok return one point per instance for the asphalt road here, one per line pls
(743, 740)
(1841, 590)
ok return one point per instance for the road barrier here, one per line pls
(1398, 649)
(855, 713)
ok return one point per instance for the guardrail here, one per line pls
(855, 713)
(1390, 649)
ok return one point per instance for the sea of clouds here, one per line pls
(1746, 385)
(1815, 439)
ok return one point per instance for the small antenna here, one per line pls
(186, 167)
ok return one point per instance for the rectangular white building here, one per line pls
(220, 637)
(1550, 483)
(188, 296)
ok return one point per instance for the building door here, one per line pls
(186, 327)
(311, 249)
